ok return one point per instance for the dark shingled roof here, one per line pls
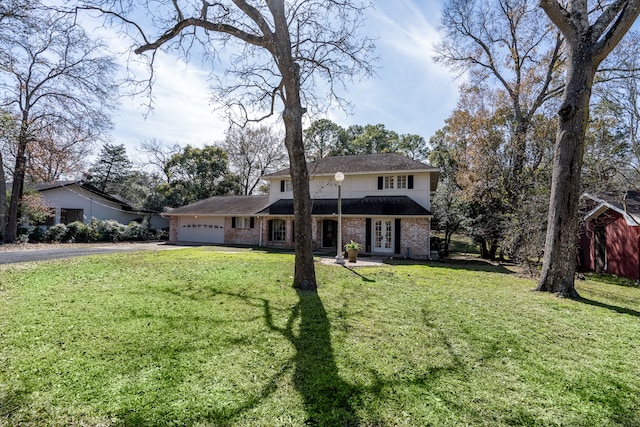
(371, 205)
(618, 200)
(223, 205)
(365, 163)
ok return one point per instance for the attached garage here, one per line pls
(201, 229)
(218, 220)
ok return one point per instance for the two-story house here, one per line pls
(385, 207)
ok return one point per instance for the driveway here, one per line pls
(10, 254)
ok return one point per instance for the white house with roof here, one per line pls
(72, 201)
(386, 202)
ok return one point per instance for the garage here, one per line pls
(201, 229)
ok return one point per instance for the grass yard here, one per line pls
(205, 338)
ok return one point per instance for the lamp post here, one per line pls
(339, 177)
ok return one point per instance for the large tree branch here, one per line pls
(626, 17)
(211, 26)
(560, 17)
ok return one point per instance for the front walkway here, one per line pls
(362, 261)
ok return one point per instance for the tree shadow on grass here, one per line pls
(617, 309)
(327, 398)
(475, 264)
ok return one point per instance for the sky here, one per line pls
(411, 94)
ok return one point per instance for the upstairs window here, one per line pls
(286, 186)
(390, 182)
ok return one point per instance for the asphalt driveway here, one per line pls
(11, 254)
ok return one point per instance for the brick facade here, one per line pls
(241, 236)
(173, 228)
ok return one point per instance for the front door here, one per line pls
(383, 235)
(329, 233)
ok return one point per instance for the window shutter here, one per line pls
(380, 183)
(233, 222)
(270, 230)
(252, 222)
(367, 239)
(282, 185)
(410, 182)
(398, 246)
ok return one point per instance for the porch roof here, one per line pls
(369, 206)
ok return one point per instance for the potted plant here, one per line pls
(352, 250)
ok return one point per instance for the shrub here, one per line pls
(56, 233)
(77, 232)
(106, 230)
(138, 230)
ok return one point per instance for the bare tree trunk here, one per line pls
(587, 45)
(18, 183)
(3, 201)
(559, 264)
(305, 273)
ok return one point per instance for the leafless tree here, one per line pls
(591, 31)
(54, 80)
(509, 43)
(281, 54)
(157, 154)
(253, 152)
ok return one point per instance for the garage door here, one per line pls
(205, 230)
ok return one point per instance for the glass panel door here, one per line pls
(383, 235)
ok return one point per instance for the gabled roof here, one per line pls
(361, 164)
(223, 205)
(40, 187)
(370, 205)
(626, 204)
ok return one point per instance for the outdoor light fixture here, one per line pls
(339, 177)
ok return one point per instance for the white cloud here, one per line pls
(181, 112)
(412, 93)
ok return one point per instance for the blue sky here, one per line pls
(411, 94)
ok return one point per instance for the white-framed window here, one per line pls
(278, 230)
(243, 222)
(388, 182)
(383, 235)
(288, 187)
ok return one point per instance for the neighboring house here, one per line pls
(610, 234)
(385, 207)
(79, 201)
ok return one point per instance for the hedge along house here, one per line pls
(610, 234)
(72, 201)
(386, 201)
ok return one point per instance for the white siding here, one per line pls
(93, 206)
(359, 186)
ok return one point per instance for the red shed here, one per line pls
(610, 234)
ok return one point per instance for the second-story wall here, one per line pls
(359, 186)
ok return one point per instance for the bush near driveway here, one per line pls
(201, 337)
(95, 231)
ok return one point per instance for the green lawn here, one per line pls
(206, 338)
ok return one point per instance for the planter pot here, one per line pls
(352, 255)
